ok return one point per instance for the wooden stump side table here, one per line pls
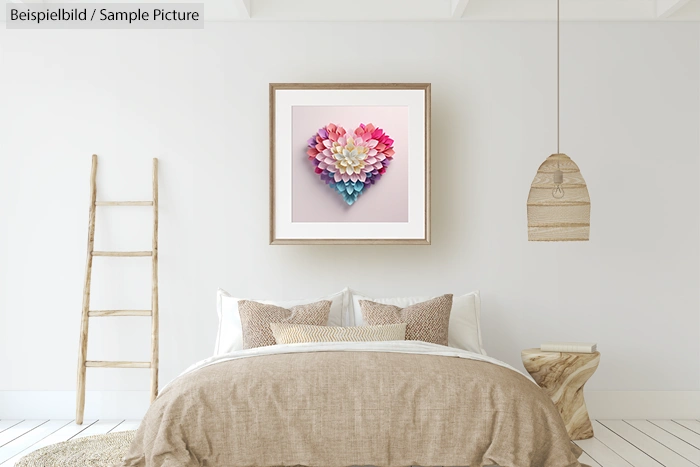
(562, 375)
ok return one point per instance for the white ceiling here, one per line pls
(437, 10)
(451, 10)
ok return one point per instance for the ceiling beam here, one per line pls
(244, 8)
(666, 8)
(458, 7)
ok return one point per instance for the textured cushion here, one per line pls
(229, 336)
(426, 321)
(465, 317)
(256, 318)
(286, 333)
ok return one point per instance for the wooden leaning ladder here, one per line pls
(83, 363)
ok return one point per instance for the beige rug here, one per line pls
(90, 451)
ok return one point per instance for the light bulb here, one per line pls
(558, 192)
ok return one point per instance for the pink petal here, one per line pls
(372, 152)
(327, 143)
(345, 177)
(333, 136)
(337, 177)
(363, 176)
(381, 156)
(312, 152)
(354, 177)
(327, 152)
(372, 143)
(331, 127)
(320, 156)
(371, 160)
(342, 141)
(389, 152)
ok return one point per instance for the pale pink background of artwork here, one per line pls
(314, 201)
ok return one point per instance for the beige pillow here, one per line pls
(286, 333)
(425, 321)
(256, 318)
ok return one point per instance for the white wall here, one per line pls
(198, 101)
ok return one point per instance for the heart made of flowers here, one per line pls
(350, 163)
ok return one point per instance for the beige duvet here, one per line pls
(366, 404)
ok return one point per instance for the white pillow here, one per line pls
(464, 331)
(229, 337)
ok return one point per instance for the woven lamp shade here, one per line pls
(567, 219)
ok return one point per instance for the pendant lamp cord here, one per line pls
(558, 92)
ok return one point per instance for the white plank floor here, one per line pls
(20, 437)
(617, 443)
(643, 443)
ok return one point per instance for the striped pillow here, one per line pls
(286, 333)
(425, 321)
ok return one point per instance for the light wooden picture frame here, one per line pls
(350, 163)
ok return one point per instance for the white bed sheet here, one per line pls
(407, 347)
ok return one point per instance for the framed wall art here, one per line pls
(350, 164)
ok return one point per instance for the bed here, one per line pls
(339, 404)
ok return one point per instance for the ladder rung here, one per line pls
(94, 364)
(96, 313)
(122, 253)
(123, 203)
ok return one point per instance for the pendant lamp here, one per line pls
(558, 207)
